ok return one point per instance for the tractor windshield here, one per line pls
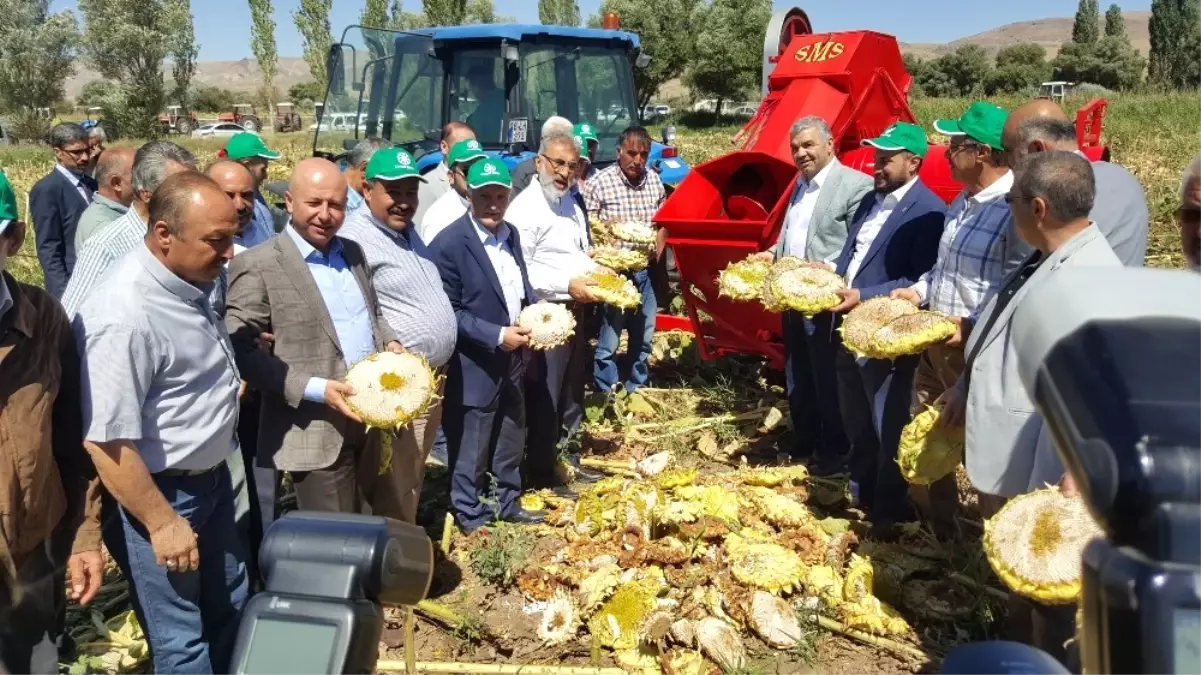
(583, 83)
(390, 82)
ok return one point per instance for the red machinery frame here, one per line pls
(734, 205)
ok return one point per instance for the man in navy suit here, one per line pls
(893, 240)
(57, 201)
(484, 275)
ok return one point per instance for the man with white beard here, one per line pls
(554, 242)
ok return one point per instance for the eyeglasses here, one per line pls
(85, 151)
(559, 164)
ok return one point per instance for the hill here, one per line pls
(1050, 33)
(240, 76)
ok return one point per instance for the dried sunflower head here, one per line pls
(743, 279)
(927, 450)
(559, 621)
(551, 324)
(911, 334)
(391, 390)
(1035, 542)
(615, 289)
(620, 259)
(764, 565)
(806, 289)
(861, 323)
(633, 231)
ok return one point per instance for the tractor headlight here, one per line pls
(669, 134)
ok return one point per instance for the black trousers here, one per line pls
(485, 446)
(554, 391)
(813, 391)
(33, 609)
(874, 398)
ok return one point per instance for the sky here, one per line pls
(223, 26)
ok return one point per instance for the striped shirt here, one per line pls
(979, 247)
(108, 246)
(611, 198)
(408, 285)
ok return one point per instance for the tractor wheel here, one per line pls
(183, 126)
(251, 124)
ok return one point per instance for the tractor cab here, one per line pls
(504, 80)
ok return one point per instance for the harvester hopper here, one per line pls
(734, 205)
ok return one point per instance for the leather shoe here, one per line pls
(525, 517)
(561, 491)
(583, 475)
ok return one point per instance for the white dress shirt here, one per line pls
(504, 265)
(553, 240)
(800, 211)
(880, 213)
(446, 210)
(74, 178)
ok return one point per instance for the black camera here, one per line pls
(1112, 360)
(328, 575)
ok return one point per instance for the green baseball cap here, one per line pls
(488, 171)
(901, 136)
(981, 122)
(585, 131)
(392, 164)
(246, 145)
(8, 203)
(465, 151)
(579, 140)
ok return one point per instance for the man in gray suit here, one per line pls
(1120, 207)
(312, 291)
(1051, 198)
(815, 228)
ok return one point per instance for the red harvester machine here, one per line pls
(734, 205)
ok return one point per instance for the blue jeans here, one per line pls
(641, 326)
(190, 619)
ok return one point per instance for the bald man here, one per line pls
(312, 291)
(1120, 209)
(114, 194)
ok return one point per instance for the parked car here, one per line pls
(218, 130)
(655, 112)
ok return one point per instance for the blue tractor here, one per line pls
(504, 80)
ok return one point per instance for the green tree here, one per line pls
(959, 73)
(1115, 25)
(183, 50)
(445, 12)
(210, 99)
(375, 13)
(1022, 54)
(402, 20)
(727, 62)
(1018, 68)
(483, 11)
(312, 20)
(559, 12)
(1084, 28)
(1111, 62)
(95, 93)
(665, 32)
(262, 43)
(1175, 28)
(305, 91)
(127, 40)
(37, 53)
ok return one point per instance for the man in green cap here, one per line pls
(893, 240)
(249, 150)
(586, 135)
(453, 203)
(979, 247)
(58, 522)
(413, 303)
(483, 272)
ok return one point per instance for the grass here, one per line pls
(1153, 135)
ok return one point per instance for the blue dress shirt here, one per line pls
(344, 301)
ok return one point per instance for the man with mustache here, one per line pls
(893, 241)
(312, 290)
(555, 240)
(825, 198)
(414, 305)
(479, 257)
(160, 410)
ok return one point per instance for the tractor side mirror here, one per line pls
(334, 70)
(643, 60)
